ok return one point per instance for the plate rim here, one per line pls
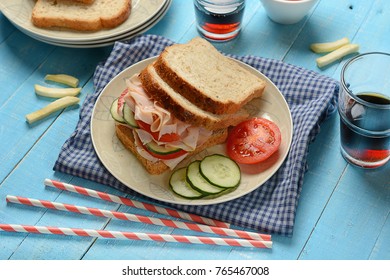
(198, 202)
(78, 37)
(109, 41)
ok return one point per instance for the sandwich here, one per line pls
(80, 15)
(182, 103)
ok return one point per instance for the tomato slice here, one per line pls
(253, 141)
(121, 99)
(169, 137)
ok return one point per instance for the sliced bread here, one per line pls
(181, 107)
(100, 14)
(212, 81)
(83, 1)
(125, 135)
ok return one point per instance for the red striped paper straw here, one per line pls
(136, 204)
(136, 236)
(137, 218)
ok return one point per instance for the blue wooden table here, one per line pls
(343, 211)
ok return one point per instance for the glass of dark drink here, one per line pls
(364, 108)
(219, 20)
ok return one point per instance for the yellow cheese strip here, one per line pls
(337, 54)
(56, 92)
(329, 46)
(51, 108)
(63, 79)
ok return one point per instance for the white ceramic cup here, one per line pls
(287, 11)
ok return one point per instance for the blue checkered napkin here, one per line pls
(271, 208)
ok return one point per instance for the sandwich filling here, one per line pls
(157, 133)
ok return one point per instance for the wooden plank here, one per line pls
(176, 22)
(263, 37)
(354, 217)
(6, 28)
(19, 56)
(326, 26)
(362, 211)
(375, 27)
(37, 166)
(23, 99)
(381, 250)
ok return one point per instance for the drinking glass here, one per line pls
(364, 108)
(219, 20)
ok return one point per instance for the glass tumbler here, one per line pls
(364, 108)
(219, 20)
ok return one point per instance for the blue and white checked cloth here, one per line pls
(271, 208)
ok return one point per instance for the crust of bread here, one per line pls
(79, 16)
(125, 135)
(183, 76)
(83, 1)
(183, 109)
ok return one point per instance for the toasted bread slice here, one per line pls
(83, 1)
(181, 107)
(125, 135)
(100, 14)
(204, 76)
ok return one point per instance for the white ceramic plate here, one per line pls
(19, 13)
(111, 40)
(127, 169)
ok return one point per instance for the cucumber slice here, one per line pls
(220, 171)
(114, 112)
(179, 185)
(161, 150)
(198, 182)
(128, 116)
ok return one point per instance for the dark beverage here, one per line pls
(365, 141)
(219, 22)
(364, 111)
(374, 98)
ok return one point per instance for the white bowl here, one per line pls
(287, 11)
